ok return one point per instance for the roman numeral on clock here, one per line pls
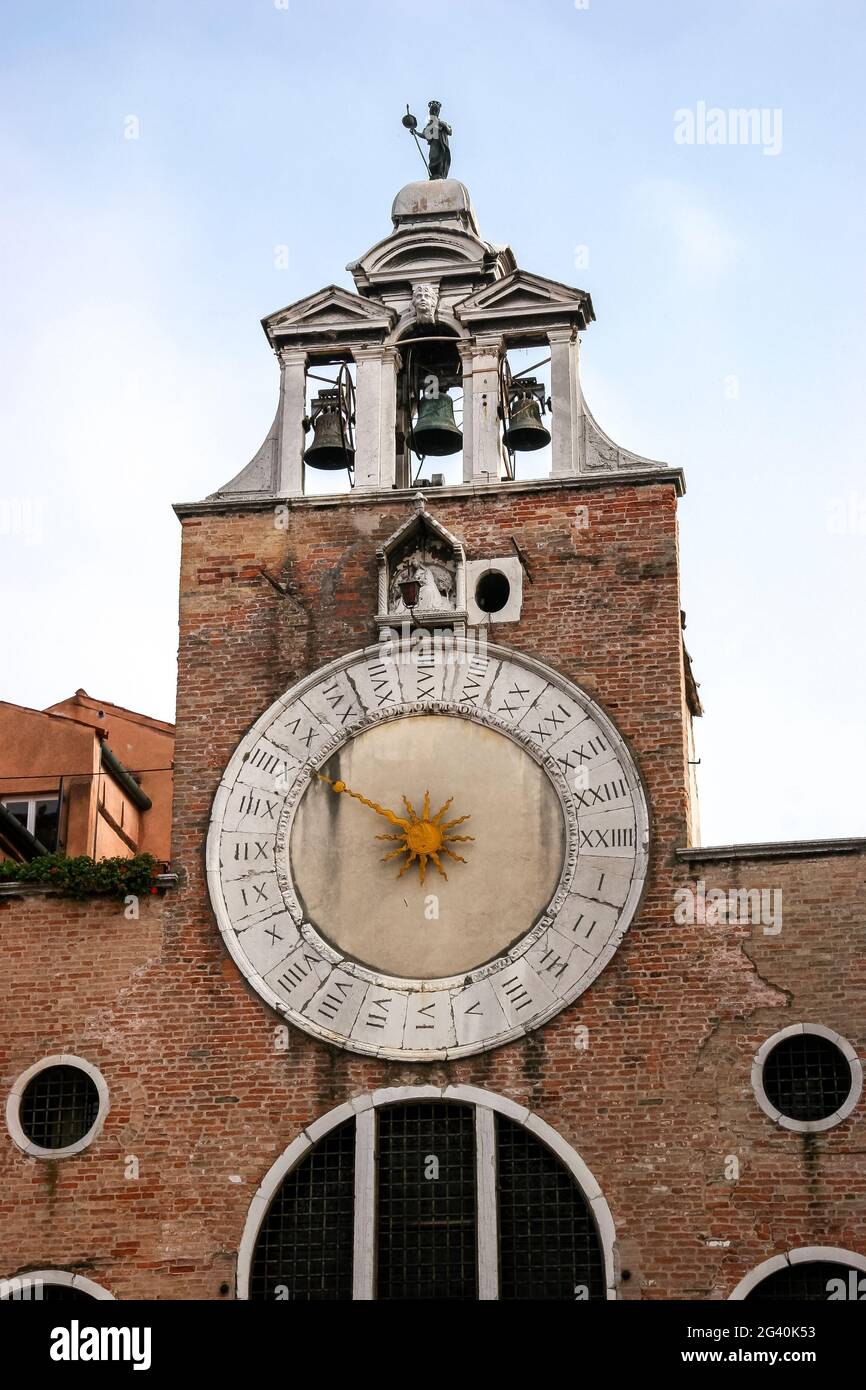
(254, 804)
(553, 964)
(608, 839)
(334, 1000)
(380, 679)
(472, 684)
(336, 698)
(260, 895)
(608, 791)
(426, 678)
(378, 1020)
(517, 993)
(426, 1011)
(268, 762)
(595, 746)
(295, 973)
(517, 694)
(294, 729)
(243, 851)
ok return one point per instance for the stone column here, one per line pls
(293, 408)
(482, 428)
(376, 411)
(566, 400)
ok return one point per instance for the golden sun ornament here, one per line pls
(422, 838)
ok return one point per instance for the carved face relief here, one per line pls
(425, 301)
(424, 859)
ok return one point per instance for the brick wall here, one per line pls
(654, 1105)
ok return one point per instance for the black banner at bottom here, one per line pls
(652, 1336)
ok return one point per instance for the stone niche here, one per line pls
(422, 549)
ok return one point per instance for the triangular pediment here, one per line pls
(329, 310)
(420, 520)
(522, 294)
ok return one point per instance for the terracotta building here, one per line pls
(84, 777)
(550, 1048)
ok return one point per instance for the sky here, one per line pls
(173, 171)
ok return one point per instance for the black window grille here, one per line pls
(426, 1202)
(548, 1242)
(59, 1106)
(806, 1077)
(304, 1248)
(810, 1281)
(426, 1244)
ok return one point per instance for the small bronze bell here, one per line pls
(434, 433)
(330, 448)
(524, 431)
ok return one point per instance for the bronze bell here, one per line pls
(434, 433)
(330, 448)
(524, 431)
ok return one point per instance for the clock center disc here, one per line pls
(502, 862)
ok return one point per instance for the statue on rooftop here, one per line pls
(436, 133)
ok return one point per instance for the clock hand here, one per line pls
(339, 787)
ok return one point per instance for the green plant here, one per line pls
(83, 877)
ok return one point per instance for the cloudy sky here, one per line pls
(157, 157)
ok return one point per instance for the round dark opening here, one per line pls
(492, 591)
(812, 1282)
(806, 1077)
(59, 1107)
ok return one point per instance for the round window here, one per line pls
(807, 1077)
(57, 1107)
(492, 591)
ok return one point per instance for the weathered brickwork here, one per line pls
(655, 1103)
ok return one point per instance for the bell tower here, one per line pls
(413, 367)
(443, 1000)
(434, 725)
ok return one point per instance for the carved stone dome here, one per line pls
(433, 198)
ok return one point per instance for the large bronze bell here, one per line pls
(330, 448)
(524, 431)
(435, 434)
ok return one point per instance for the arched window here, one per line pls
(51, 1286)
(428, 1194)
(816, 1273)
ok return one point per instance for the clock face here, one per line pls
(429, 857)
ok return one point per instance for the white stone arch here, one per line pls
(363, 1109)
(807, 1126)
(445, 318)
(13, 1106)
(63, 1277)
(804, 1254)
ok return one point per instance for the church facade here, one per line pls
(448, 1002)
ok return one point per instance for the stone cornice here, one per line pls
(773, 849)
(462, 491)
